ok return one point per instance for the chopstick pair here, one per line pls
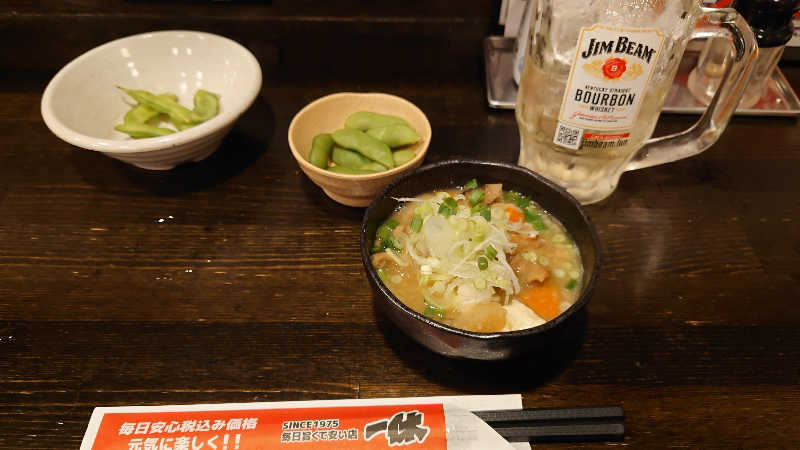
(568, 424)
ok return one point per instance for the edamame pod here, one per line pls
(206, 105)
(373, 166)
(366, 145)
(321, 147)
(350, 171)
(162, 104)
(396, 135)
(403, 156)
(180, 126)
(343, 157)
(364, 120)
(140, 114)
(142, 130)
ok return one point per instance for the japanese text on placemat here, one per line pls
(315, 430)
(219, 441)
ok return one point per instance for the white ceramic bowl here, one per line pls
(81, 104)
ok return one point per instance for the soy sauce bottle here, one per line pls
(771, 22)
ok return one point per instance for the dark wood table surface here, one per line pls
(238, 280)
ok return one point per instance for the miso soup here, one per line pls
(478, 258)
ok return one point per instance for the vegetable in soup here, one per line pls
(478, 258)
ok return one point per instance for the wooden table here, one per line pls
(238, 280)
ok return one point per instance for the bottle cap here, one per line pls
(771, 20)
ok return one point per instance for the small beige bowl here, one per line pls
(326, 115)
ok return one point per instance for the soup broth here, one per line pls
(478, 258)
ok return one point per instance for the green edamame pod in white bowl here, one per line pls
(81, 106)
(206, 105)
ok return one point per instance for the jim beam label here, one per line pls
(606, 85)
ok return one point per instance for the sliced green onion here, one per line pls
(448, 207)
(571, 284)
(475, 197)
(516, 198)
(384, 234)
(446, 210)
(530, 215)
(471, 184)
(416, 224)
(483, 210)
(389, 243)
(483, 263)
(491, 252)
(385, 243)
(381, 274)
(433, 311)
(385, 230)
(534, 218)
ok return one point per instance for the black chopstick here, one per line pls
(569, 424)
(549, 414)
(600, 432)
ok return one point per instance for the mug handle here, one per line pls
(703, 134)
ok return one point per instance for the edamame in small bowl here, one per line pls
(353, 144)
(154, 100)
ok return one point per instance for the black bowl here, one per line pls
(458, 343)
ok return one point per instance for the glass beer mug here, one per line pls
(595, 77)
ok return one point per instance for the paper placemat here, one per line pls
(412, 422)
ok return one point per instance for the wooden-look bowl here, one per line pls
(458, 343)
(326, 115)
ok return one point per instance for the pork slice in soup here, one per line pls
(478, 258)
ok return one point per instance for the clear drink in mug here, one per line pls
(595, 77)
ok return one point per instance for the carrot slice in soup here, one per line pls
(513, 214)
(543, 299)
